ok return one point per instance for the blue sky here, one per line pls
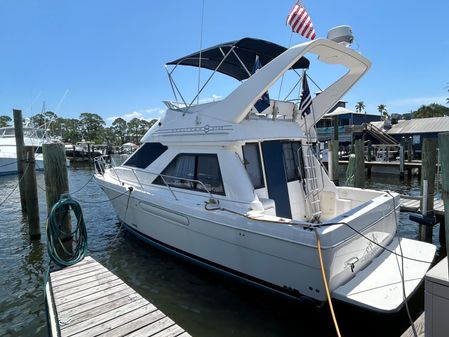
(107, 57)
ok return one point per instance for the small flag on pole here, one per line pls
(306, 99)
(264, 101)
(300, 21)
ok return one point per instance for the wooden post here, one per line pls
(443, 143)
(333, 161)
(18, 131)
(335, 119)
(369, 156)
(350, 171)
(428, 172)
(409, 143)
(401, 159)
(56, 182)
(29, 180)
(359, 180)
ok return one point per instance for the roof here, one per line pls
(343, 111)
(247, 49)
(419, 125)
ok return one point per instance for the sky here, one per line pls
(107, 57)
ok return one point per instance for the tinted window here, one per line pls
(187, 167)
(251, 160)
(145, 155)
(291, 160)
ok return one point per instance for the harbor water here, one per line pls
(202, 302)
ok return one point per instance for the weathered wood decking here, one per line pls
(419, 326)
(88, 300)
(413, 205)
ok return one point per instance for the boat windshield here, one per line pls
(27, 132)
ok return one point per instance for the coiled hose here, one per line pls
(66, 248)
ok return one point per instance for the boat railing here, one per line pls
(101, 164)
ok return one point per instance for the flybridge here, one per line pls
(236, 59)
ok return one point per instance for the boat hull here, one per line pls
(8, 165)
(286, 264)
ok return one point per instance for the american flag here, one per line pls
(300, 21)
(306, 99)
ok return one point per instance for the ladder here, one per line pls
(311, 184)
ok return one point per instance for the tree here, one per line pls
(431, 110)
(4, 121)
(70, 130)
(382, 108)
(43, 120)
(92, 127)
(133, 130)
(110, 137)
(360, 106)
(119, 127)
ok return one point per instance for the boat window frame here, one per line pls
(297, 162)
(193, 184)
(259, 158)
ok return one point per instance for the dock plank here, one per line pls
(88, 300)
(413, 205)
(419, 326)
(134, 325)
(154, 328)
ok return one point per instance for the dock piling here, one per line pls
(29, 179)
(428, 172)
(18, 132)
(57, 182)
(333, 161)
(401, 158)
(359, 179)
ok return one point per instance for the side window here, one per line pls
(208, 172)
(251, 160)
(145, 155)
(187, 167)
(291, 160)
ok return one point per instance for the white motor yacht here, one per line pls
(241, 191)
(8, 153)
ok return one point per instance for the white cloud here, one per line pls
(147, 114)
(213, 98)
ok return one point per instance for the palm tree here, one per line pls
(382, 108)
(360, 106)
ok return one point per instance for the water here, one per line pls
(204, 303)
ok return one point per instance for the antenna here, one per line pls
(201, 49)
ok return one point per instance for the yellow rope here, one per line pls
(323, 273)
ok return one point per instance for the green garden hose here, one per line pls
(66, 248)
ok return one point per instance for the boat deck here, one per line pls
(87, 299)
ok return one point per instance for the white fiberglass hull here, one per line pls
(240, 247)
(8, 164)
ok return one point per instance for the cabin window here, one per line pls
(253, 166)
(185, 168)
(291, 160)
(145, 155)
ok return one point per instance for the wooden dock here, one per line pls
(87, 299)
(419, 326)
(410, 204)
